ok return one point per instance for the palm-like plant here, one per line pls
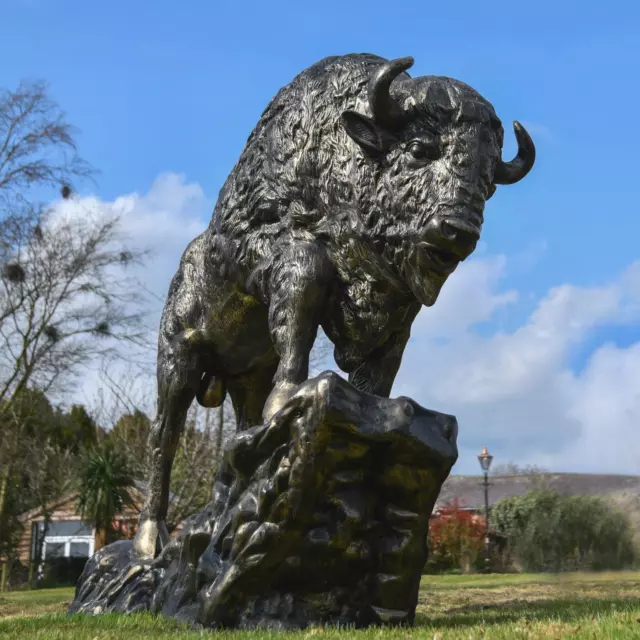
(105, 482)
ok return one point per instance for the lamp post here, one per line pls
(485, 463)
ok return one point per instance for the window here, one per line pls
(65, 528)
(79, 550)
(54, 550)
(65, 539)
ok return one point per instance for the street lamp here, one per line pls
(485, 463)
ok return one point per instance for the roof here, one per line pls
(65, 506)
(67, 503)
(469, 490)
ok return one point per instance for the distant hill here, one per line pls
(622, 491)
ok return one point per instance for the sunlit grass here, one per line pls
(503, 607)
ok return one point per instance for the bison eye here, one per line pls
(424, 151)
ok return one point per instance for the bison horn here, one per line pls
(385, 110)
(511, 172)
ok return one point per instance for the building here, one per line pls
(66, 535)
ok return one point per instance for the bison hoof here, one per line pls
(277, 399)
(151, 534)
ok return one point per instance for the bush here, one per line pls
(550, 532)
(456, 539)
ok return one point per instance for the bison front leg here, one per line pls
(177, 381)
(377, 373)
(298, 291)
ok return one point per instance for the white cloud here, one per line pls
(605, 402)
(513, 390)
(464, 300)
(165, 220)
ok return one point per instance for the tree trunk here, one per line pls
(4, 483)
(100, 538)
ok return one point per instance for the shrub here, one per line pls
(456, 539)
(550, 532)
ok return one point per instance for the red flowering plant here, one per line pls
(456, 538)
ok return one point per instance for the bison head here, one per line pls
(436, 145)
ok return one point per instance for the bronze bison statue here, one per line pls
(356, 196)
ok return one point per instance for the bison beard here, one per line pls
(356, 196)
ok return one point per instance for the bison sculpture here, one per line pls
(356, 196)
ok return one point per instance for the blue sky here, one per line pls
(171, 88)
(177, 87)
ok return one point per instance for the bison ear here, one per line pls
(363, 131)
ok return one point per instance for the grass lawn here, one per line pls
(507, 607)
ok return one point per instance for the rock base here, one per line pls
(319, 517)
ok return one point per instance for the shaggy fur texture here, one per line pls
(334, 216)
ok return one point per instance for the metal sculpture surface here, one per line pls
(356, 196)
(318, 517)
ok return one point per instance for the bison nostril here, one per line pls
(461, 230)
(449, 231)
(454, 237)
(463, 237)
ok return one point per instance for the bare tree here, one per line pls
(37, 144)
(123, 405)
(50, 477)
(65, 295)
(65, 301)
(198, 459)
(513, 469)
(536, 477)
(123, 390)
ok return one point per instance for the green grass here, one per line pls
(29, 603)
(504, 607)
